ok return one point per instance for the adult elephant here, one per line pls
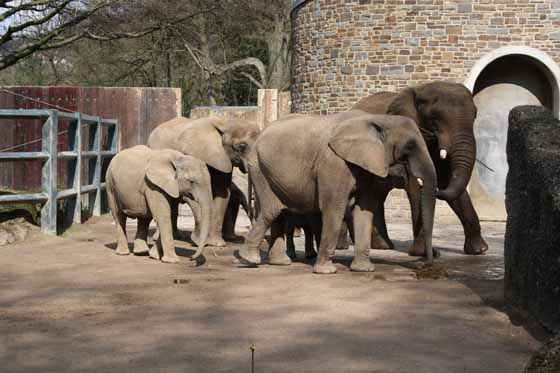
(221, 143)
(309, 165)
(445, 114)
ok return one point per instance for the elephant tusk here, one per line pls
(420, 182)
(443, 154)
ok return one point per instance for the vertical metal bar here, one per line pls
(97, 171)
(113, 137)
(49, 174)
(75, 137)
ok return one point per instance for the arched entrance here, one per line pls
(505, 78)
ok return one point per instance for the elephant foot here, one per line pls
(250, 256)
(475, 246)
(215, 241)
(362, 265)
(122, 250)
(379, 243)
(325, 268)
(140, 247)
(419, 250)
(154, 253)
(170, 259)
(279, 259)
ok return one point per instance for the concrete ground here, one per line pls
(70, 304)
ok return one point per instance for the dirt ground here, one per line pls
(70, 304)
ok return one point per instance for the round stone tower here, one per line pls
(505, 51)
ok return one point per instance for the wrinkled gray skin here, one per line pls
(143, 183)
(221, 143)
(445, 114)
(296, 173)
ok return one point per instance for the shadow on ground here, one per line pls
(70, 304)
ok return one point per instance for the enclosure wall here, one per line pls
(138, 110)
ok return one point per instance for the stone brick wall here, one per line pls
(347, 49)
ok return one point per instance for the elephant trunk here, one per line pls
(201, 207)
(462, 158)
(423, 168)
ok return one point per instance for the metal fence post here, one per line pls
(75, 169)
(49, 179)
(95, 165)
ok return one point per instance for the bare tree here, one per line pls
(250, 18)
(40, 25)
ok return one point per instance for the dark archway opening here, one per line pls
(520, 70)
(507, 82)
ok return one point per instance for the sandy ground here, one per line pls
(70, 304)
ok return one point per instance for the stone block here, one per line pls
(532, 242)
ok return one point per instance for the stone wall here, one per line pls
(532, 244)
(347, 49)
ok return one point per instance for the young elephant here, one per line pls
(143, 183)
(321, 165)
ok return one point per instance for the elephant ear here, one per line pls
(202, 139)
(360, 143)
(161, 172)
(405, 104)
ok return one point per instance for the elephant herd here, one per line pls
(329, 171)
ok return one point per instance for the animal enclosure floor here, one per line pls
(70, 304)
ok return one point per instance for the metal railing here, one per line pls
(50, 155)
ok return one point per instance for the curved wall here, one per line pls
(346, 49)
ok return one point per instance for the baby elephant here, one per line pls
(143, 183)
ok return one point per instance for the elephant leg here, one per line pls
(174, 218)
(414, 197)
(220, 191)
(463, 207)
(317, 227)
(343, 243)
(161, 212)
(350, 223)
(255, 236)
(332, 217)
(232, 211)
(141, 240)
(362, 215)
(277, 252)
(289, 230)
(310, 252)
(122, 241)
(120, 223)
(380, 237)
